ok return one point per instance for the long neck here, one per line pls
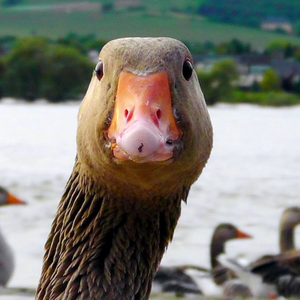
(219, 273)
(286, 238)
(103, 248)
(216, 248)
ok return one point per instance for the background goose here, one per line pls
(283, 271)
(177, 280)
(143, 137)
(223, 276)
(290, 218)
(6, 254)
(223, 233)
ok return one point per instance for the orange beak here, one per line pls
(242, 235)
(143, 126)
(12, 200)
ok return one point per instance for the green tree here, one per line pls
(1, 77)
(69, 74)
(6, 43)
(270, 81)
(218, 84)
(82, 43)
(235, 46)
(280, 47)
(206, 83)
(95, 44)
(36, 68)
(76, 41)
(24, 68)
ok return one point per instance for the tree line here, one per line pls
(35, 67)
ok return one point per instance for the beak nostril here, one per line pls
(158, 114)
(126, 112)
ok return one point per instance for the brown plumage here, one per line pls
(117, 215)
(282, 271)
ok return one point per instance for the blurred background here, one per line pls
(247, 58)
(242, 53)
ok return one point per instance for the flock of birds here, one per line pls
(144, 136)
(267, 277)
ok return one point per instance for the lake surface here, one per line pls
(253, 174)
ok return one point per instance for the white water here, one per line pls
(252, 176)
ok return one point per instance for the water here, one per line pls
(252, 175)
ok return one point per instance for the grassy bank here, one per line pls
(264, 98)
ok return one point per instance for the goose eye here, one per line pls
(99, 70)
(187, 69)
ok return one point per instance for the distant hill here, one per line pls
(108, 19)
(154, 5)
(251, 14)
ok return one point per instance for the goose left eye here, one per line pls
(99, 70)
(187, 69)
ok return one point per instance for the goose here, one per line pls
(283, 271)
(262, 285)
(223, 233)
(176, 279)
(222, 276)
(144, 136)
(7, 263)
(290, 219)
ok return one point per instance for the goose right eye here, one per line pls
(99, 70)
